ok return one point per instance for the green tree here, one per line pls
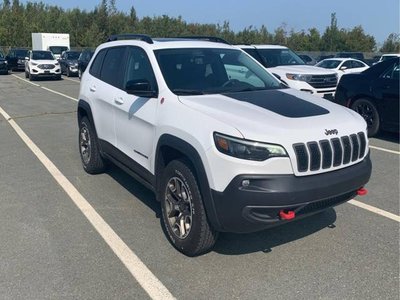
(391, 44)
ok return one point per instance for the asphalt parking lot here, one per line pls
(51, 250)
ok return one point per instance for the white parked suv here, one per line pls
(41, 64)
(291, 69)
(224, 145)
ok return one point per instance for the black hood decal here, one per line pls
(280, 103)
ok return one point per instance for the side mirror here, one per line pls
(342, 68)
(141, 88)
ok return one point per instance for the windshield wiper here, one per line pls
(187, 92)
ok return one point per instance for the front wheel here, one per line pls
(370, 114)
(92, 161)
(183, 214)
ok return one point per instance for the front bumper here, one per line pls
(256, 206)
(44, 73)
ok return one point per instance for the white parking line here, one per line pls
(58, 93)
(385, 150)
(375, 210)
(147, 280)
(47, 89)
(24, 80)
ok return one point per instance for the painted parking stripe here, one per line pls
(147, 280)
(375, 210)
(24, 80)
(47, 89)
(58, 93)
(385, 150)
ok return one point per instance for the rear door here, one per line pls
(105, 85)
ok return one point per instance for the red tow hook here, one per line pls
(287, 214)
(362, 191)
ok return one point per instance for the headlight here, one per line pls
(300, 77)
(34, 64)
(246, 149)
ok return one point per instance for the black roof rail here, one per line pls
(206, 38)
(128, 36)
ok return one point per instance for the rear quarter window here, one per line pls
(95, 68)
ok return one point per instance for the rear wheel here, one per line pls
(183, 214)
(370, 114)
(92, 160)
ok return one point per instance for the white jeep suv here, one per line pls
(223, 144)
(292, 70)
(41, 64)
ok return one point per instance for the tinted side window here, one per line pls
(113, 66)
(139, 68)
(95, 68)
(254, 54)
(393, 72)
(347, 64)
(357, 64)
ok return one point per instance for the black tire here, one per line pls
(368, 111)
(200, 237)
(92, 161)
(58, 77)
(31, 77)
(68, 73)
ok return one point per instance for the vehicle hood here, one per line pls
(45, 62)
(301, 69)
(278, 115)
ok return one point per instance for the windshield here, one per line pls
(279, 57)
(42, 55)
(58, 49)
(328, 64)
(73, 55)
(196, 71)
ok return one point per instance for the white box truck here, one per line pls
(55, 42)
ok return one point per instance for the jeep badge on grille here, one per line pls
(331, 131)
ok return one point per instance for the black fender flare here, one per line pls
(193, 156)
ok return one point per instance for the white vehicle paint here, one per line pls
(292, 70)
(41, 64)
(54, 42)
(343, 65)
(252, 143)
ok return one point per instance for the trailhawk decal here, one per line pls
(280, 103)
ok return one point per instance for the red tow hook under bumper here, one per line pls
(287, 214)
(362, 192)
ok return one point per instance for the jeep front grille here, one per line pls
(46, 67)
(324, 154)
(323, 81)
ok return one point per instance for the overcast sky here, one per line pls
(378, 18)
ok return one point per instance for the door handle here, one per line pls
(92, 88)
(119, 101)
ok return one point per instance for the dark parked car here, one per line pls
(69, 63)
(83, 60)
(3, 64)
(374, 94)
(16, 59)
